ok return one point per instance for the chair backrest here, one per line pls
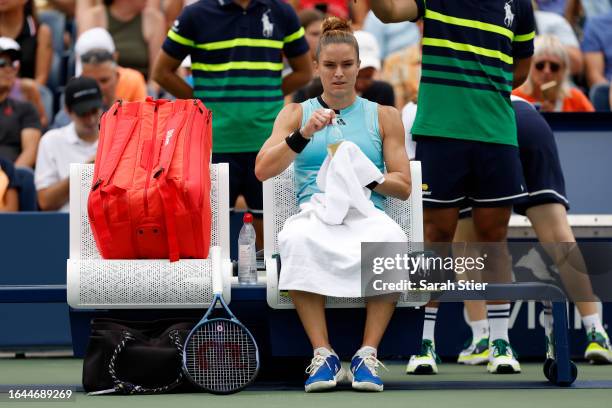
(280, 203)
(600, 97)
(148, 283)
(82, 243)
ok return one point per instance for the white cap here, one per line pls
(94, 39)
(8, 45)
(369, 51)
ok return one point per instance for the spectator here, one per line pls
(366, 86)
(9, 197)
(402, 70)
(74, 143)
(391, 37)
(100, 65)
(131, 85)
(548, 83)
(310, 20)
(18, 22)
(238, 78)
(553, 6)
(26, 89)
(557, 25)
(338, 8)
(19, 122)
(578, 9)
(597, 48)
(135, 28)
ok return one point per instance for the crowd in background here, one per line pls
(45, 43)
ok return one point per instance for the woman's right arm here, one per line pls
(276, 155)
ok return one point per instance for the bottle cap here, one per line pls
(248, 217)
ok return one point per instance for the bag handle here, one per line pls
(128, 388)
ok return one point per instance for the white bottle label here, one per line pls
(244, 259)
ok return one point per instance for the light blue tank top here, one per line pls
(359, 124)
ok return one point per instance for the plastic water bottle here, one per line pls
(247, 264)
(334, 137)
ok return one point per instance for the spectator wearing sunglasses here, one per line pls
(548, 83)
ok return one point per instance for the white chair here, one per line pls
(96, 283)
(280, 203)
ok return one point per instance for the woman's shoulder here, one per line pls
(579, 101)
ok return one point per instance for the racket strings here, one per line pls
(221, 356)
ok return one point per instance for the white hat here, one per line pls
(10, 46)
(369, 51)
(94, 39)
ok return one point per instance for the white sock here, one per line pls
(430, 323)
(324, 351)
(591, 321)
(499, 317)
(548, 320)
(480, 329)
(366, 351)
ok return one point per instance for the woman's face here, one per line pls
(546, 68)
(338, 67)
(312, 34)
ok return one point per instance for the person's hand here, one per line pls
(317, 121)
(91, 160)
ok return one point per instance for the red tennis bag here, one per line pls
(150, 196)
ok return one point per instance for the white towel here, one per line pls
(320, 247)
(342, 181)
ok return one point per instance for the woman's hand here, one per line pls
(317, 121)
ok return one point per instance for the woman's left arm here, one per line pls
(397, 179)
(44, 54)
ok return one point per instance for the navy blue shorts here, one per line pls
(243, 180)
(540, 160)
(462, 173)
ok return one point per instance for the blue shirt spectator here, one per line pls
(391, 37)
(597, 47)
(554, 6)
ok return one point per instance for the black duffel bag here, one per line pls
(136, 357)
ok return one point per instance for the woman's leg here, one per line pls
(311, 310)
(379, 310)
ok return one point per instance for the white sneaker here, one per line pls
(502, 358)
(426, 362)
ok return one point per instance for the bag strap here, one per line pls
(168, 197)
(126, 387)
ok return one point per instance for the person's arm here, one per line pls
(52, 198)
(397, 182)
(153, 33)
(595, 65)
(44, 54)
(301, 74)
(276, 155)
(611, 96)
(395, 11)
(29, 145)
(520, 71)
(90, 14)
(11, 201)
(29, 88)
(576, 59)
(164, 73)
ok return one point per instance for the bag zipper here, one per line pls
(201, 162)
(187, 148)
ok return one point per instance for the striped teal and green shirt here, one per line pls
(236, 59)
(469, 48)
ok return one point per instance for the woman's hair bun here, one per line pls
(335, 24)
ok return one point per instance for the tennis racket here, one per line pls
(220, 355)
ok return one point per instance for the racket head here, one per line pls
(220, 356)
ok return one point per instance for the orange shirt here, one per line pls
(131, 86)
(575, 102)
